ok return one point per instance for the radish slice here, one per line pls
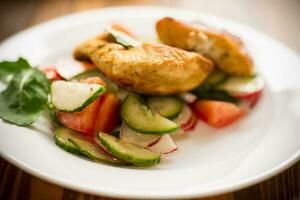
(186, 119)
(68, 67)
(165, 145)
(184, 116)
(188, 97)
(238, 86)
(130, 136)
(250, 99)
(191, 124)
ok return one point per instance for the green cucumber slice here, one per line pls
(73, 142)
(138, 116)
(167, 106)
(61, 136)
(74, 96)
(134, 154)
(93, 152)
(216, 77)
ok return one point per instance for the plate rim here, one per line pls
(215, 191)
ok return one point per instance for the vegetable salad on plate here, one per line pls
(121, 101)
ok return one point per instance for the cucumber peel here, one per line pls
(136, 155)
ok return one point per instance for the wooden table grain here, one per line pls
(16, 15)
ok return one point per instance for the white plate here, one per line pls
(208, 162)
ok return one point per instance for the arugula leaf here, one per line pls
(214, 94)
(25, 96)
(123, 39)
(9, 68)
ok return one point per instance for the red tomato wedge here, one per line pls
(107, 118)
(82, 121)
(217, 113)
(51, 73)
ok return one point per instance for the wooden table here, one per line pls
(16, 15)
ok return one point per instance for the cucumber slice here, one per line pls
(216, 77)
(61, 136)
(74, 96)
(168, 106)
(130, 136)
(93, 152)
(139, 117)
(96, 73)
(242, 86)
(128, 152)
(73, 142)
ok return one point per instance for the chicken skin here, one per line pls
(155, 69)
(226, 50)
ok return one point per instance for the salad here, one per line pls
(121, 101)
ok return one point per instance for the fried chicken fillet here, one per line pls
(226, 50)
(149, 68)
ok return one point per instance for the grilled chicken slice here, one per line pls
(226, 50)
(149, 68)
(84, 51)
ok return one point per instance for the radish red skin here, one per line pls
(190, 125)
(51, 73)
(251, 98)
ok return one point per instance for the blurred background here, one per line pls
(277, 18)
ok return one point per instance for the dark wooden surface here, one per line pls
(16, 15)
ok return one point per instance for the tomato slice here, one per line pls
(107, 118)
(217, 113)
(82, 121)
